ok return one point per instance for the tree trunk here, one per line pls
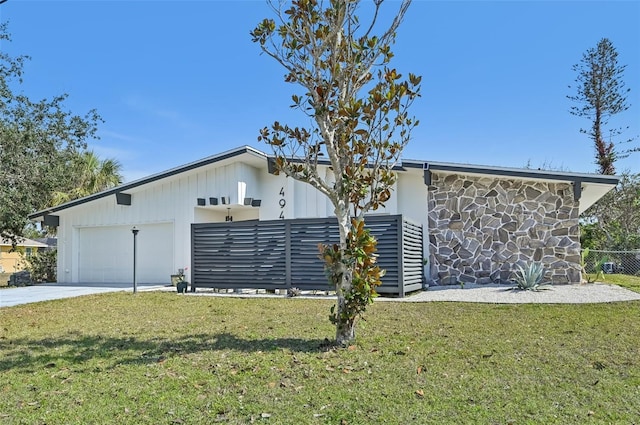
(345, 331)
(345, 325)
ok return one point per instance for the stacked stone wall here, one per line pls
(481, 228)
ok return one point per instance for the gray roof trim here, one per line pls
(412, 163)
(521, 173)
(327, 163)
(150, 179)
(401, 166)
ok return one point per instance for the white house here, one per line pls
(478, 221)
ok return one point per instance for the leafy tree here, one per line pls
(90, 175)
(613, 223)
(600, 94)
(358, 109)
(38, 142)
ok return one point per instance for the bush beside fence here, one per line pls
(612, 262)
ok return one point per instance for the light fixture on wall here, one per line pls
(228, 217)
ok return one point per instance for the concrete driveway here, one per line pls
(53, 291)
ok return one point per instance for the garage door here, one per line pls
(106, 253)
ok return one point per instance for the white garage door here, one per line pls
(106, 254)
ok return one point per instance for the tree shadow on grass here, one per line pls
(78, 350)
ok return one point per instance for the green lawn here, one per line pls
(624, 280)
(163, 358)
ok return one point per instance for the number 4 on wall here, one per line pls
(282, 202)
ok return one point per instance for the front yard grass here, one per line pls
(162, 358)
(626, 281)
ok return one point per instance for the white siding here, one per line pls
(90, 231)
(411, 195)
(95, 240)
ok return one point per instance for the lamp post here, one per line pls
(135, 235)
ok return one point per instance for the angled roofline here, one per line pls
(324, 162)
(581, 182)
(427, 167)
(523, 173)
(412, 163)
(152, 178)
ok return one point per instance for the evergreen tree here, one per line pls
(600, 94)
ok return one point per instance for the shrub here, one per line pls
(598, 274)
(42, 266)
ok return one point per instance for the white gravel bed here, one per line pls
(502, 294)
(489, 293)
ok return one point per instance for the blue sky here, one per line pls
(176, 81)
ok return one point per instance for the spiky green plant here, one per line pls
(530, 278)
(598, 275)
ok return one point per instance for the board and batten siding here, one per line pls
(172, 201)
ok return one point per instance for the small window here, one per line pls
(28, 252)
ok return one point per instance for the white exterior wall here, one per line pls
(169, 202)
(411, 198)
(164, 210)
(277, 197)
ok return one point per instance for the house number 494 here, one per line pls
(282, 202)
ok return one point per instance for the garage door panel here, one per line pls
(106, 253)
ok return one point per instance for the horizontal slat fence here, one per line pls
(284, 253)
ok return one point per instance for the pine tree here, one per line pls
(600, 94)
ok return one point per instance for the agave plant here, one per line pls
(530, 278)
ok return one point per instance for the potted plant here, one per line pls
(180, 282)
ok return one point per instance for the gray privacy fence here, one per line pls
(622, 262)
(284, 254)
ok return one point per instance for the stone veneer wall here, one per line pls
(480, 228)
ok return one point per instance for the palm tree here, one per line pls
(89, 175)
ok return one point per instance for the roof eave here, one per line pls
(39, 215)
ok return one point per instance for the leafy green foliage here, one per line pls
(360, 258)
(613, 223)
(358, 107)
(597, 274)
(90, 175)
(530, 277)
(600, 94)
(592, 236)
(38, 143)
(42, 266)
